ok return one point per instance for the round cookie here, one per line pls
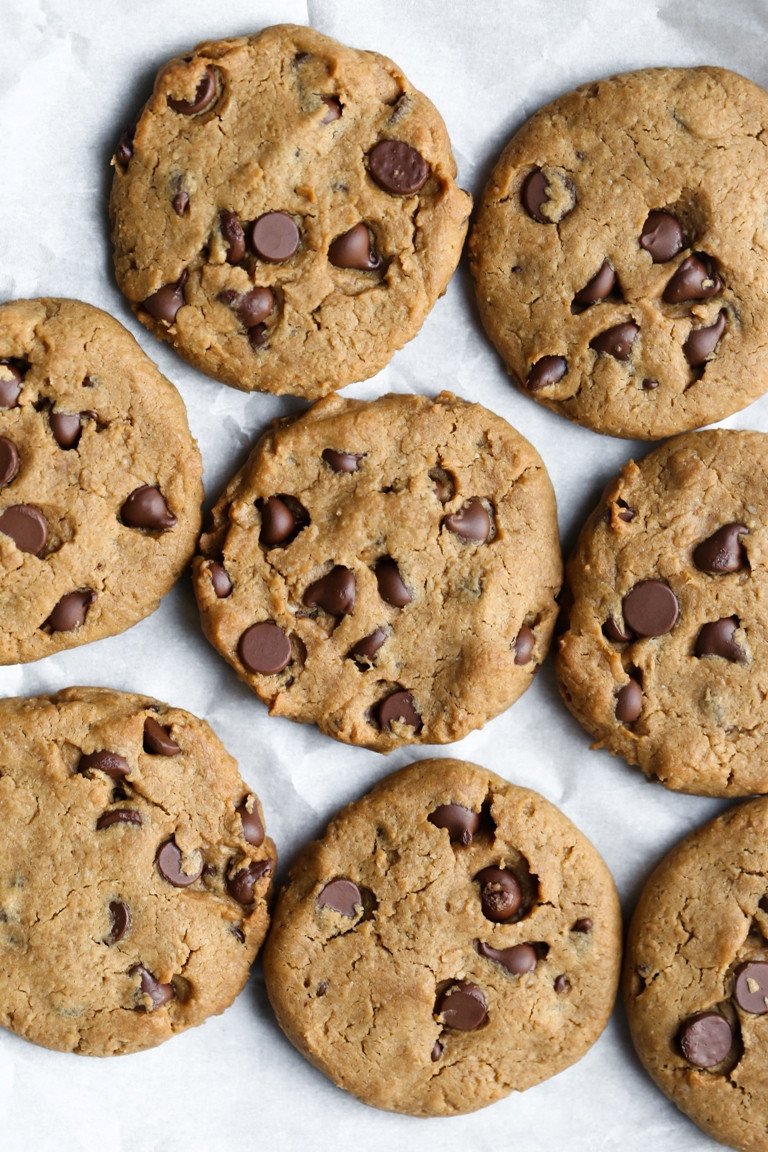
(619, 252)
(452, 938)
(695, 983)
(100, 486)
(385, 570)
(665, 656)
(285, 211)
(134, 871)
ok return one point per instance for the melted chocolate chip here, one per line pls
(222, 584)
(702, 342)
(121, 921)
(255, 306)
(397, 168)
(204, 96)
(471, 523)
(264, 648)
(355, 249)
(722, 551)
(545, 372)
(158, 993)
(693, 280)
(110, 763)
(500, 893)
(399, 706)
(66, 429)
(562, 984)
(168, 862)
(180, 201)
(612, 630)
(333, 106)
(165, 303)
(253, 829)
(650, 608)
(598, 288)
(461, 823)
(157, 740)
(233, 236)
(716, 639)
(10, 385)
(278, 523)
(364, 651)
(26, 526)
(119, 816)
(462, 1006)
(275, 237)
(71, 611)
(392, 588)
(548, 195)
(334, 592)
(662, 236)
(257, 336)
(525, 642)
(582, 925)
(146, 508)
(629, 702)
(342, 461)
(706, 1039)
(518, 959)
(340, 895)
(241, 883)
(616, 341)
(124, 149)
(750, 988)
(9, 460)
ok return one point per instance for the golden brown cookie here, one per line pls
(285, 211)
(100, 486)
(665, 656)
(452, 938)
(385, 570)
(696, 976)
(134, 871)
(620, 248)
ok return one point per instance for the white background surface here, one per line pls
(74, 72)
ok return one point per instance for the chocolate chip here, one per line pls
(165, 303)
(548, 195)
(26, 526)
(445, 484)
(110, 763)
(525, 642)
(71, 611)
(255, 306)
(598, 288)
(706, 1039)
(392, 588)
(662, 236)
(257, 336)
(355, 249)
(612, 630)
(562, 984)
(583, 925)
(322, 988)
(157, 739)
(9, 460)
(500, 893)
(253, 829)
(763, 903)
(334, 592)
(397, 168)
(333, 107)
(462, 1006)
(241, 883)
(233, 235)
(399, 706)
(146, 508)
(471, 522)
(437, 1051)
(264, 648)
(119, 816)
(275, 237)
(750, 988)
(650, 608)
(693, 280)
(629, 702)
(722, 551)
(343, 461)
(340, 895)
(121, 921)
(518, 959)
(10, 385)
(180, 201)
(364, 651)
(204, 96)
(616, 341)
(461, 822)
(66, 429)
(650, 385)
(158, 993)
(702, 342)
(716, 639)
(627, 514)
(124, 149)
(277, 522)
(168, 862)
(222, 585)
(545, 372)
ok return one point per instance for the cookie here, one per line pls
(452, 938)
(100, 486)
(285, 211)
(385, 570)
(665, 657)
(134, 870)
(619, 252)
(696, 976)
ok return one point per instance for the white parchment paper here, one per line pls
(73, 74)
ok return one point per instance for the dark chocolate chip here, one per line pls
(750, 988)
(264, 648)
(168, 862)
(545, 372)
(342, 461)
(612, 630)
(445, 484)
(548, 195)
(180, 201)
(71, 611)
(255, 306)
(110, 763)
(693, 280)
(146, 508)
(722, 551)
(66, 429)
(462, 1006)
(275, 237)
(364, 651)
(598, 288)
(650, 385)
(121, 921)
(277, 522)
(165, 303)
(340, 895)
(233, 235)
(437, 1051)
(222, 584)
(562, 984)
(616, 341)
(716, 639)
(333, 109)
(662, 236)
(397, 168)
(253, 829)
(158, 993)
(471, 522)
(525, 641)
(500, 893)
(119, 816)
(627, 514)
(702, 342)
(10, 385)
(157, 739)
(124, 149)
(257, 336)
(204, 96)
(582, 925)
(706, 1039)
(334, 592)
(399, 706)
(392, 588)
(241, 883)
(461, 823)
(26, 526)
(9, 460)
(629, 702)
(355, 249)
(650, 608)
(518, 959)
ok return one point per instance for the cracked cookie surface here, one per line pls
(450, 939)
(386, 570)
(134, 871)
(285, 212)
(665, 655)
(694, 979)
(620, 247)
(100, 487)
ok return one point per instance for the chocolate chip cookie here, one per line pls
(285, 211)
(696, 976)
(134, 870)
(452, 938)
(620, 248)
(385, 570)
(100, 486)
(665, 657)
